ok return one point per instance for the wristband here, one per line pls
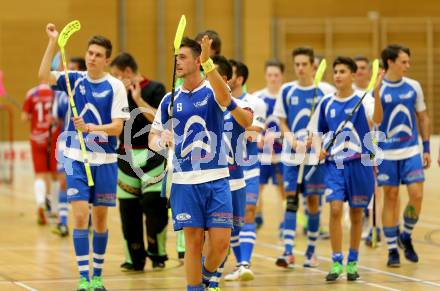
(426, 149)
(208, 66)
(232, 105)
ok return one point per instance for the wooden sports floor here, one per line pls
(32, 258)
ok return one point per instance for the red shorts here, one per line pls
(40, 156)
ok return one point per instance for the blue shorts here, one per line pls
(206, 205)
(315, 186)
(407, 171)
(238, 206)
(354, 183)
(252, 190)
(105, 178)
(270, 171)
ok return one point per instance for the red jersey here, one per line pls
(38, 104)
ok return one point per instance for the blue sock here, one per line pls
(248, 234)
(63, 208)
(99, 246)
(289, 232)
(352, 255)
(409, 221)
(206, 275)
(390, 234)
(312, 234)
(199, 287)
(81, 246)
(235, 243)
(215, 279)
(337, 257)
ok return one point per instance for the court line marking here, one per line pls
(23, 285)
(413, 279)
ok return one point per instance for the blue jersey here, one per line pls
(198, 130)
(400, 100)
(98, 102)
(252, 165)
(295, 105)
(269, 155)
(235, 141)
(355, 141)
(61, 109)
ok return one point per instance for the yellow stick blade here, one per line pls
(320, 72)
(179, 34)
(375, 70)
(67, 31)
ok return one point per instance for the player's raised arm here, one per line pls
(218, 85)
(44, 72)
(378, 109)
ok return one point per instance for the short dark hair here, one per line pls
(241, 70)
(193, 45)
(216, 44)
(124, 60)
(224, 66)
(345, 61)
(391, 53)
(274, 63)
(102, 41)
(361, 59)
(307, 51)
(80, 62)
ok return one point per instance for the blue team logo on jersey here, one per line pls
(303, 113)
(198, 140)
(90, 107)
(203, 102)
(294, 100)
(82, 89)
(102, 94)
(408, 95)
(401, 127)
(388, 98)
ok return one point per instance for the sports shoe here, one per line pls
(393, 258)
(96, 284)
(61, 229)
(407, 246)
(234, 276)
(158, 266)
(41, 216)
(181, 256)
(311, 262)
(286, 261)
(83, 285)
(213, 289)
(369, 239)
(352, 271)
(129, 267)
(246, 273)
(335, 272)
